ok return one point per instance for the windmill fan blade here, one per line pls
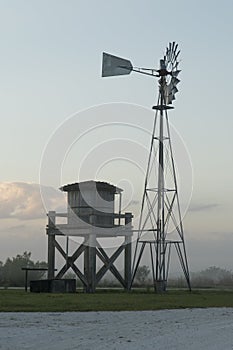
(173, 45)
(113, 65)
(176, 73)
(175, 59)
(171, 54)
(174, 90)
(175, 81)
(167, 56)
(169, 99)
(171, 63)
(170, 47)
(170, 51)
(174, 49)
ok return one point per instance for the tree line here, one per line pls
(11, 273)
(212, 276)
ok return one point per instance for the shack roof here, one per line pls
(91, 185)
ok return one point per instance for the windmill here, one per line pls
(160, 224)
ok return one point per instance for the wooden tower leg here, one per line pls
(90, 260)
(51, 245)
(90, 268)
(128, 253)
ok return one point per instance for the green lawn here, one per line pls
(18, 300)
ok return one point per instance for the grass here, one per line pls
(18, 300)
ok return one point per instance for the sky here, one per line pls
(52, 93)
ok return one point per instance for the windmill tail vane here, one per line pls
(114, 65)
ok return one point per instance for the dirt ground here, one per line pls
(168, 329)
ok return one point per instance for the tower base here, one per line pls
(160, 286)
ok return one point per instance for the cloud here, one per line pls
(201, 207)
(23, 201)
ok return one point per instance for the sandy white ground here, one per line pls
(192, 329)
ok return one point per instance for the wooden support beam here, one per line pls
(78, 251)
(63, 270)
(108, 264)
(128, 263)
(90, 261)
(79, 274)
(51, 245)
(128, 253)
(60, 249)
(70, 259)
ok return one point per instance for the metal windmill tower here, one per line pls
(160, 224)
